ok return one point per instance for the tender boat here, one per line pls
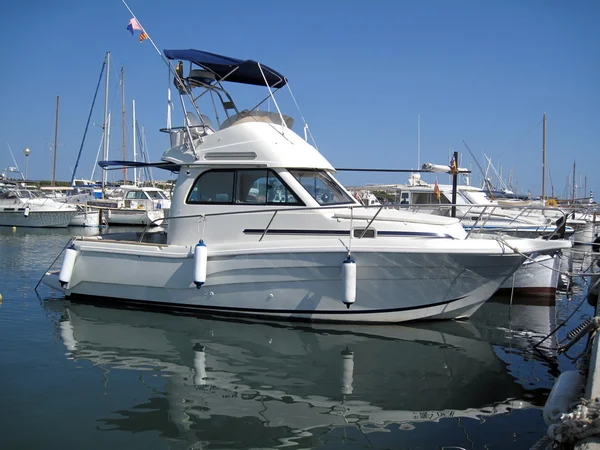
(259, 226)
(21, 207)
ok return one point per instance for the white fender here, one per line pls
(200, 263)
(66, 271)
(26, 212)
(348, 281)
(564, 393)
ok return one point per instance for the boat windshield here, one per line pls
(476, 197)
(321, 186)
(156, 195)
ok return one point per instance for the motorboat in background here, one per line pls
(21, 207)
(78, 196)
(134, 205)
(259, 226)
(476, 211)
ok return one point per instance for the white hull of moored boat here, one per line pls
(37, 219)
(584, 235)
(88, 218)
(135, 217)
(537, 277)
(286, 281)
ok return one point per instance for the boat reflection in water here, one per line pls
(270, 384)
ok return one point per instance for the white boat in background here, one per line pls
(21, 207)
(259, 226)
(538, 276)
(78, 196)
(475, 210)
(134, 205)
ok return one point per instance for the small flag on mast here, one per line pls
(436, 190)
(133, 25)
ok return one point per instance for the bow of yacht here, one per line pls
(259, 226)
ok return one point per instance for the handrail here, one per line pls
(369, 224)
(476, 222)
(267, 227)
(484, 214)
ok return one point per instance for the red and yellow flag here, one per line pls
(143, 36)
(436, 190)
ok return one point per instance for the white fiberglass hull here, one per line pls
(89, 218)
(138, 217)
(584, 234)
(37, 219)
(537, 278)
(426, 279)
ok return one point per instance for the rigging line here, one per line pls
(301, 115)
(521, 137)
(88, 122)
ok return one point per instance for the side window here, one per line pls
(277, 192)
(404, 198)
(251, 187)
(213, 187)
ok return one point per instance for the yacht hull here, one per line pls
(37, 219)
(86, 218)
(281, 282)
(137, 217)
(537, 277)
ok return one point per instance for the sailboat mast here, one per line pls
(134, 145)
(123, 123)
(544, 160)
(574, 184)
(105, 126)
(55, 142)
(418, 141)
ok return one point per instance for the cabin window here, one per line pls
(250, 187)
(214, 186)
(156, 195)
(321, 187)
(135, 195)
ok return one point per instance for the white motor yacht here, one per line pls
(259, 226)
(134, 205)
(475, 210)
(78, 196)
(21, 207)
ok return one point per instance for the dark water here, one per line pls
(76, 375)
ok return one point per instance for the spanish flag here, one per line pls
(143, 36)
(436, 190)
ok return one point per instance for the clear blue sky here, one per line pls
(479, 71)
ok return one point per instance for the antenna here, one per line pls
(14, 160)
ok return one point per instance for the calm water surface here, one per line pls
(76, 375)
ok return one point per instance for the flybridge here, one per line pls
(224, 68)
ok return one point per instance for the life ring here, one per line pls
(551, 203)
